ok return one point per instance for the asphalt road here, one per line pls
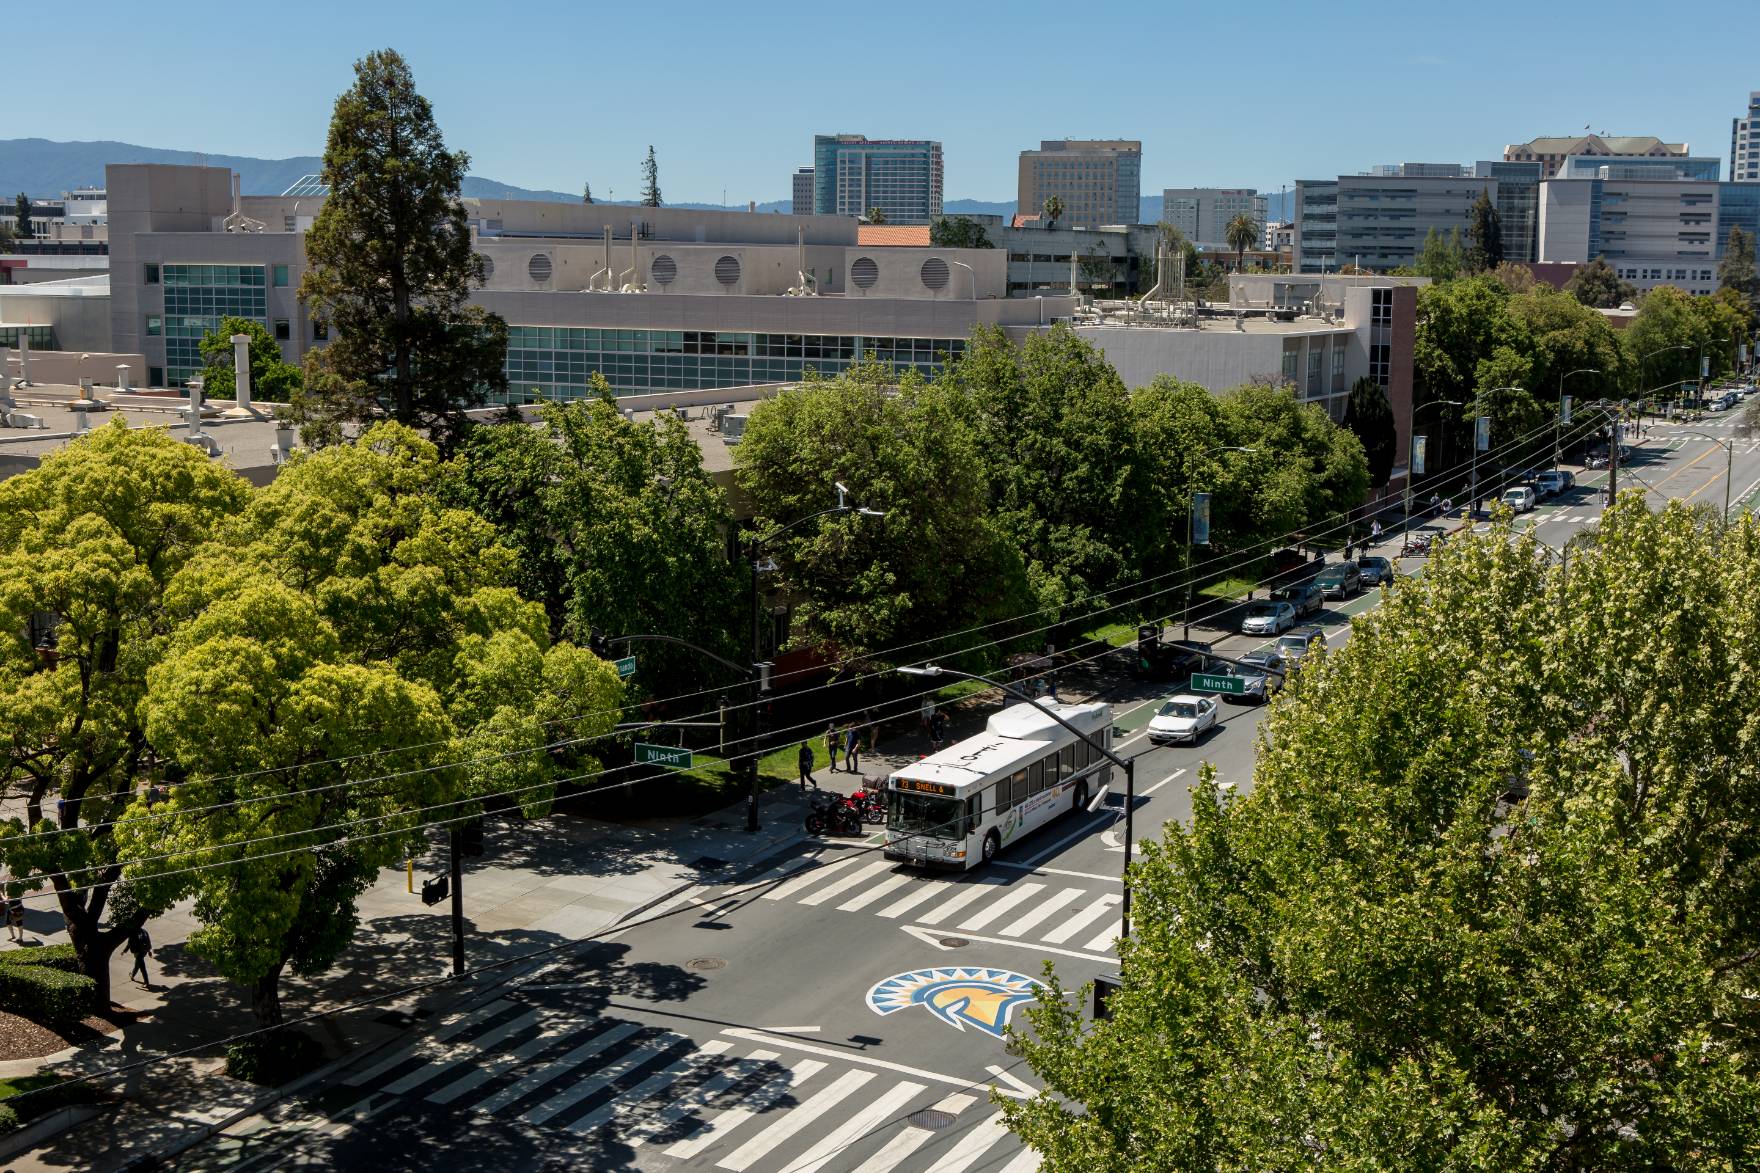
(770, 1024)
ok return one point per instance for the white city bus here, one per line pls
(959, 807)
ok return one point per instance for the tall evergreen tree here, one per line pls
(21, 208)
(1440, 257)
(1597, 286)
(391, 269)
(650, 180)
(1368, 414)
(586, 193)
(1736, 270)
(1484, 236)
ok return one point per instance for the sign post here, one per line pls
(626, 667)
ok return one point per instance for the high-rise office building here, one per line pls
(853, 173)
(1379, 222)
(1100, 181)
(803, 191)
(1744, 143)
(1551, 152)
(1203, 213)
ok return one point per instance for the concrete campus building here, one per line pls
(1203, 213)
(1100, 181)
(1551, 153)
(853, 173)
(802, 202)
(1380, 222)
(1744, 143)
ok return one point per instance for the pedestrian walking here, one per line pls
(1434, 500)
(15, 918)
(852, 750)
(937, 730)
(141, 946)
(805, 760)
(1374, 532)
(926, 712)
(871, 729)
(833, 743)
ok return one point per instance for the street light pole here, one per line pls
(1128, 765)
(1473, 505)
(1186, 617)
(1646, 358)
(1729, 459)
(1558, 417)
(1412, 443)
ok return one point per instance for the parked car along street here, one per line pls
(1340, 580)
(1268, 618)
(1305, 597)
(1295, 644)
(1374, 569)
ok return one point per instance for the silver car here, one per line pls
(1268, 618)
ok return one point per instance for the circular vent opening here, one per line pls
(664, 270)
(864, 272)
(934, 273)
(539, 267)
(727, 270)
(488, 269)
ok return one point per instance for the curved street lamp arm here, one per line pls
(745, 670)
(933, 670)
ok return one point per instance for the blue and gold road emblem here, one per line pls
(959, 996)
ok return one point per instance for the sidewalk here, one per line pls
(537, 888)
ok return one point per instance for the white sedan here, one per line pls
(1182, 718)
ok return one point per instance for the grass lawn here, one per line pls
(19, 1084)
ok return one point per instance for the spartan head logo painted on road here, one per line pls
(960, 996)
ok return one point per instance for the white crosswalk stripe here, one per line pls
(1044, 910)
(891, 883)
(965, 894)
(702, 1104)
(789, 889)
(1083, 919)
(1019, 893)
(847, 881)
(925, 891)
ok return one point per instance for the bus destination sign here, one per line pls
(923, 787)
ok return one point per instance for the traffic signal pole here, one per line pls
(456, 835)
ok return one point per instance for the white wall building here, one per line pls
(1203, 213)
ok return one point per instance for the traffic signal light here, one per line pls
(597, 644)
(436, 890)
(1148, 647)
(1105, 985)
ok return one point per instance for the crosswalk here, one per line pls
(744, 1101)
(1040, 907)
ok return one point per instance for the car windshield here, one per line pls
(1261, 610)
(1331, 574)
(1259, 660)
(923, 814)
(1179, 709)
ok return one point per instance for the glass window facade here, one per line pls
(40, 337)
(196, 298)
(545, 362)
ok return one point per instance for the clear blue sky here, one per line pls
(547, 93)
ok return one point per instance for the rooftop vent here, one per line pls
(538, 268)
(727, 270)
(863, 272)
(665, 270)
(488, 269)
(934, 273)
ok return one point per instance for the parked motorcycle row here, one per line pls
(844, 814)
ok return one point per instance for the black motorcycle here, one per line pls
(833, 812)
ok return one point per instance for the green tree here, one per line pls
(391, 267)
(1370, 418)
(1242, 233)
(618, 527)
(875, 215)
(958, 232)
(1440, 257)
(1515, 278)
(21, 211)
(1053, 210)
(1484, 236)
(272, 377)
(1736, 269)
(89, 541)
(1559, 335)
(586, 193)
(8, 238)
(1598, 286)
(937, 562)
(1664, 340)
(1055, 434)
(650, 180)
(1490, 903)
(1298, 453)
(344, 636)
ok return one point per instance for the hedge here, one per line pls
(60, 957)
(275, 1058)
(42, 994)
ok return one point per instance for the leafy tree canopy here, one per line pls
(1491, 903)
(1440, 257)
(958, 232)
(1597, 286)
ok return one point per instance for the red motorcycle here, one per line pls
(870, 805)
(833, 812)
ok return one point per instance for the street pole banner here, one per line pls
(1200, 519)
(1418, 445)
(1564, 410)
(1704, 366)
(1482, 433)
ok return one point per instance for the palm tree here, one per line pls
(1242, 234)
(1053, 210)
(875, 216)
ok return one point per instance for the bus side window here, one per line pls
(1036, 777)
(1066, 763)
(974, 815)
(1004, 795)
(1019, 790)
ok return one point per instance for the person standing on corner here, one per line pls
(805, 760)
(832, 745)
(852, 749)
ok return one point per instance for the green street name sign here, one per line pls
(626, 667)
(1210, 682)
(663, 755)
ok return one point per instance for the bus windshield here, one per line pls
(924, 814)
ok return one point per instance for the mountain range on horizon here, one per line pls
(44, 168)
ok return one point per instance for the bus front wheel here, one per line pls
(1081, 801)
(992, 843)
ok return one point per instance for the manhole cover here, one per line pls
(954, 942)
(931, 1118)
(704, 964)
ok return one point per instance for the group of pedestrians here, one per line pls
(845, 742)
